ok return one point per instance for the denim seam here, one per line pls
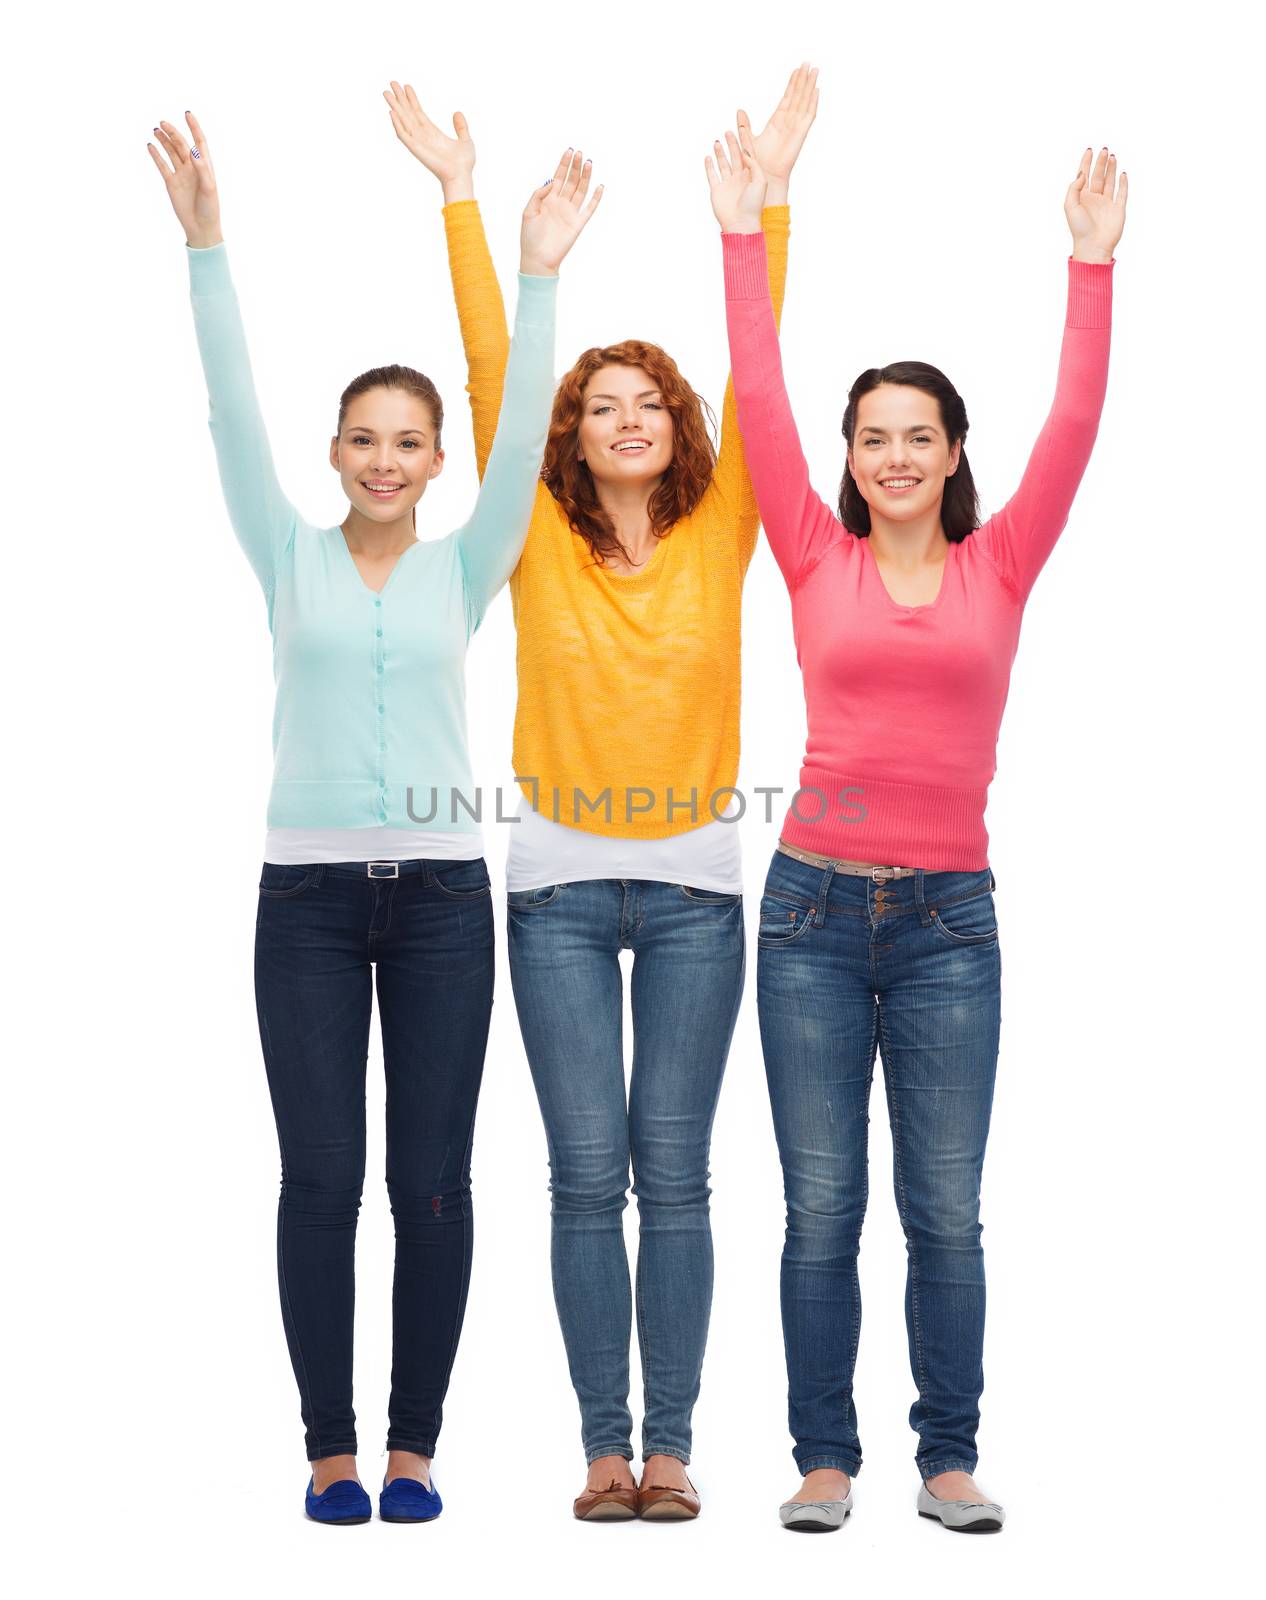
(903, 1207)
(933, 1469)
(851, 1465)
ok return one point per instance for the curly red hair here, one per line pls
(689, 473)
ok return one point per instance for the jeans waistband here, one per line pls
(378, 870)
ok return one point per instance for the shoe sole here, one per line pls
(335, 1522)
(666, 1511)
(812, 1525)
(608, 1511)
(981, 1525)
(381, 1518)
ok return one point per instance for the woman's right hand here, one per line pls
(737, 184)
(451, 160)
(190, 182)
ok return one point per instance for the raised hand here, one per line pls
(190, 181)
(737, 184)
(778, 144)
(555, 215)
(1095, 207)
(451, 160)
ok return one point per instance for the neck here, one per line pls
(378, 538)
(628, 506)
(909, 544)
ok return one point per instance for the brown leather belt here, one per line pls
(853, 869)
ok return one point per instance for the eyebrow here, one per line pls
(355, 427)
(641, 396)
(921, 427)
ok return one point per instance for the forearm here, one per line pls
(481, 316)
(493, 539)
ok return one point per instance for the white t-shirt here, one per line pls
(296, 847)
(546, 852)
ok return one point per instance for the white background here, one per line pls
(154, 1424)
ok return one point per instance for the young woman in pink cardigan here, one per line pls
(877, 926)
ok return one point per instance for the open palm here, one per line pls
(1095, 207)
(555, 215)
(449, 159)
(778, 144)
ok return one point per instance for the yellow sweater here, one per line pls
(628, 714)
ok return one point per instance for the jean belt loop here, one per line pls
(819, 913)
(920, 902)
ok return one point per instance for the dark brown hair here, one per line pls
(960, 509)
(395, 377)
(688, 475)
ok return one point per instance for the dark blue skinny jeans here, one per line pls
(322, 936)
(909, 968)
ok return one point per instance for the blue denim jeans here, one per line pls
(320, 933)
(911, 967)
(688, 954)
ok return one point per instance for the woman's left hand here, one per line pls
(779, 143)
(555, 215)
(1095, 207)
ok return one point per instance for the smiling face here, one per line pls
(626, 430)
(901, 455)
(385, 453)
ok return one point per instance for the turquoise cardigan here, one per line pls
(371, 690)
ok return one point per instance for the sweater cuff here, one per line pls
(1089, 294)
(536, 297)
(776, 219)
(746, 266)
(209, 269)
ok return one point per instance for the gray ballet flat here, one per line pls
(962, 1516)
(815, 1516)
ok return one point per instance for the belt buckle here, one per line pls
(880, 874)
(382, 869)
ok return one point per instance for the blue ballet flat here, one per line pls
(407, 1500)
(343, 1502)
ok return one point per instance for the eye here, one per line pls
(921, 438)
(872, 441)
(598, 410)
(360, 438)
(653, 405)
(411, 444)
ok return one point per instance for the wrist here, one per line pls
(531, 268)
(460, 188)
(1090, 253)
(204, 238)
(776, 191)
(742, 224)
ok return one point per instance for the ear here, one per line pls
(954, 457)
(437, 465)
(334, 461)
(848, 456)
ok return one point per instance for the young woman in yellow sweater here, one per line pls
(627, 601)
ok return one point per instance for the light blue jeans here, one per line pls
(688, 957)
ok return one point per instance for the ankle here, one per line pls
(332, 1469)
(408, 1464)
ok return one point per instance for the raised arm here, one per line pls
(492, 541)
(1021, 536)
(480, 308)
(776, 149)
(798, 524)
(262, 517)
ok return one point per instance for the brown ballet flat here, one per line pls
(656, 1503)
(615, 1503)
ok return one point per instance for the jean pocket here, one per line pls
(708, 897)
(283, 883)
(781, 922)
(972, 921)
(463, 880)
(533, 899)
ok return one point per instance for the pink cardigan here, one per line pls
(905, 702)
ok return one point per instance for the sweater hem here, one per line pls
(856, 818)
